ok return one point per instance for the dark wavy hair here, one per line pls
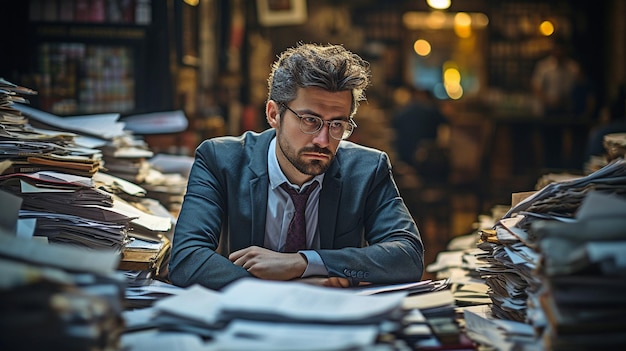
(330, 67)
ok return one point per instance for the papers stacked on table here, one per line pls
(555, 261)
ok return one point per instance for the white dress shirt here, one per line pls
(280, 210)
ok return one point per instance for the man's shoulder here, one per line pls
(248, 139)
(352, 151)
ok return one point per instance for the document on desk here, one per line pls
(289, 301)
(409, 288)
(105, 125)
(139, 217)
(267, 336)
(429, 300)
(195, 303)
(58, 256)
(607, 176)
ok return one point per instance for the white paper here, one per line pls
(195, 303)
(60, 256)
(104, 125)
(298, 301)
(429, 300)
(259, 336)
(154, 340)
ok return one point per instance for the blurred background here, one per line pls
(473, 100)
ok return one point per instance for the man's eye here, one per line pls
(310, 120)
(336, 124)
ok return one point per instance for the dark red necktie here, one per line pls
(296, 233)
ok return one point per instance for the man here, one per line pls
(236, 215)
(553, 80)
(416, 125)
(553, 83)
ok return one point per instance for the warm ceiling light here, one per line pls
(546, 28)
(422, 47)
(436, 20)
(439, 4)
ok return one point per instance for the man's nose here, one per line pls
(322, 138)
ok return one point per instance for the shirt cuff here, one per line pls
(315, 265)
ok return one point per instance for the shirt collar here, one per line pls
(276, 175)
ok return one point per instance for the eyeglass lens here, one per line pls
(337, 129)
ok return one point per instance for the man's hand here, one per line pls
(267, 264)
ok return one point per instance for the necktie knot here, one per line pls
(296, 233)
(299, 196)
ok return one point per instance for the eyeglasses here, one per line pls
(309, 124)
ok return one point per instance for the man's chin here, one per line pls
(315, 168)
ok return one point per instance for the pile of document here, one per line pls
(463, 264)
(127, 157)
(119, 153)
(552, 261)
(581, 302)
(50, 176)
(615, 145)
(254, 314)
(65, 208)
(26, 148)
(149, 237)
(59, 172)
(56, 297)
(167, 180)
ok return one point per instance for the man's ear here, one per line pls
(272, 113)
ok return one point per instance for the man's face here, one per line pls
(302, 156)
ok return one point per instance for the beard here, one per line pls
(312, 167)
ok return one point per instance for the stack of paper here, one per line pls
(143, 295)
(269, 315)
(168, 188)
(29, 149)
(56, 297)
(67, 209)
(127, 157)
(70, 190)
(581, 303)
(9, 94)
(142, 255)
(507, 268)
(92, 130)
(151, 220)
(552, 260)
(52, 177)
(615, 145)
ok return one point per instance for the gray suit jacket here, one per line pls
(366, 232)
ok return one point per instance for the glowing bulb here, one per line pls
(462, 19)
(452, 75)
(422, 47)
(546, 28)
(438, 4)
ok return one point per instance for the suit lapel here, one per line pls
(259, 186)
(258, 195)
(329, 205)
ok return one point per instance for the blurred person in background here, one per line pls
(416, 127)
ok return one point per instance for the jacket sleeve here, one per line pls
(393, 250)
(194, 258)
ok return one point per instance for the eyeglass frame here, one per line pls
(350, 121)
